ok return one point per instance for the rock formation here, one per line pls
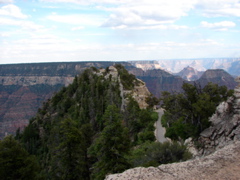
(225, 124)
(190, 74)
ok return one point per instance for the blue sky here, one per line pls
(113, 30)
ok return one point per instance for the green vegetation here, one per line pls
(82, 132)
(155, 153)
(16, 162)
(187, 114)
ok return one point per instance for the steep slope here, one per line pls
(189, 74)
(89, 127)
(24, 87)
(225, 124)
(217, 76)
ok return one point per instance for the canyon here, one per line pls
(24, 87)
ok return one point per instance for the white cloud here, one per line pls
(22, 23)
(13, 11)
(132, 14)
(77, 28)
(217, 8)
(147, 13)
(76, 19)
(219, 26)
(6, 1)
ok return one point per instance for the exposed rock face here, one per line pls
(217, 76)
(158, 80)
(34, 80)
(139, 92)
(222, 164)
(190, 74)
(225, 124)
(146, 65)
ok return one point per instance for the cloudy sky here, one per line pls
(85, 30)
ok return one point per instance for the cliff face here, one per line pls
(225, 124)
(158, 80)
(189, 74)
(217, 76)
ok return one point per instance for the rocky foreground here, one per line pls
(222, 164)
(219, 155)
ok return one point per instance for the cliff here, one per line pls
(217, 76)
(158, 80)
(225, 125)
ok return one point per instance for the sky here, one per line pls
(117, 30)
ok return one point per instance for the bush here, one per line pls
(156, 153)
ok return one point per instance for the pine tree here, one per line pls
(69, 159)
(111, 146)
(15, 161)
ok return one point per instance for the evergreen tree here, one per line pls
(15, 161)
(111, 146)
(187, 113)
(69, 158)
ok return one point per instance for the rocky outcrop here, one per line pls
(222, 164)
(139, 92)
(225, 125)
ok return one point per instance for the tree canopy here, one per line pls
(187, 114)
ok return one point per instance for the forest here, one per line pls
(83, 133)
